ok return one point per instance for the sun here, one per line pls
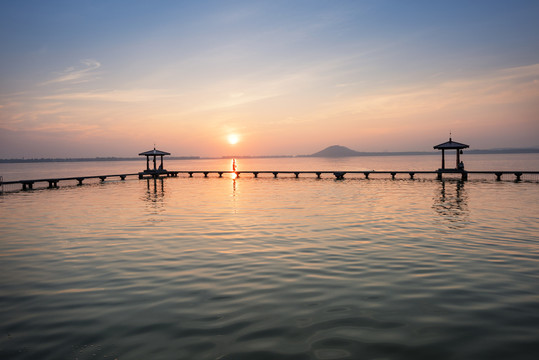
(233, 139)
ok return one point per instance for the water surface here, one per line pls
(222, 268)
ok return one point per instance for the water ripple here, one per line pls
(265, 269)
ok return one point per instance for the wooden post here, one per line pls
(255, 174)
(275, 174)
(28, 185)
(393, 175)
(318, 174)
(443, 159)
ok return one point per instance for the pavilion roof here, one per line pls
(154, 152)
(451, 145)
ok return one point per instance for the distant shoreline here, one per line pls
(359, 154)
(90, 159)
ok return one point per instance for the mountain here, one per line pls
(336, 151)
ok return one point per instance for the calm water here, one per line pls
(222, 268)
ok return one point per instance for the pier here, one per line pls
(337, 175)
(53, 182)
(340, 175)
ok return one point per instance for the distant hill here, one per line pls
(336, 151)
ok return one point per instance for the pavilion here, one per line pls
(452, 145)
(156, 171)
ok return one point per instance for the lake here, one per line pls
(265, 268)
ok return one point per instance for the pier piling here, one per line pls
(27, 185)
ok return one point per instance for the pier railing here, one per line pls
(339, 175)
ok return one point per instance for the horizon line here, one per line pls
(526, 150)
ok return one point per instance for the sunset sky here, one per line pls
(212, 78)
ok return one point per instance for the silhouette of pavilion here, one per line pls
(156, 171)
(452, 145)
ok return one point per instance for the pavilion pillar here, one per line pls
(154, 162)
(458, 158)
(443, 159)
(147, 162)
(161, 162)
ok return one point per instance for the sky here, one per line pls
(217, 78)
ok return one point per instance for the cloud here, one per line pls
(501, 87)
(129, 95)
(74, 75)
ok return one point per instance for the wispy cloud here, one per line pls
(504, 86)
(75, 75)
(128, 95)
